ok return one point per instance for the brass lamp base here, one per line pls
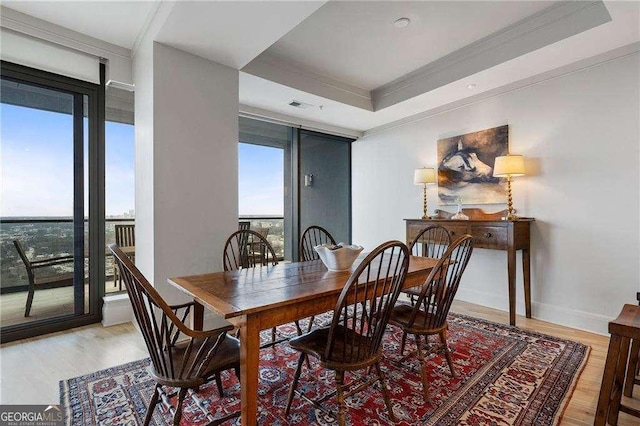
(510, 215)
(424, 202)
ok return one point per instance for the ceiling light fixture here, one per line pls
(402, 22)
(472, 86)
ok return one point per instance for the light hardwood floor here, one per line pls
(31, 369)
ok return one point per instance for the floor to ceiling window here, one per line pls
(262, 151)
(50, 148)
(119, 179)
(273, 193)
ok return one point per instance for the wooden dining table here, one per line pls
(256, 299)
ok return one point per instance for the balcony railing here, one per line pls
(42, 238)
(275, 225)
(46, 237)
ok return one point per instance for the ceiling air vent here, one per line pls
(298, 104)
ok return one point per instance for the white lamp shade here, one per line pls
(424, 175)
(509, 165)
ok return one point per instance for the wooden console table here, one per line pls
(489, 231)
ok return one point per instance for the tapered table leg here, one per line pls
(511, 272)
(249, 364)
(526, 275)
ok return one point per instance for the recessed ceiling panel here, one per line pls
(357, 42)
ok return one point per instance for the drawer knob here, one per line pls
(452, 232)
(487, 234)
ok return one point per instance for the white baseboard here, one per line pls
(573, 318)
(116, 309)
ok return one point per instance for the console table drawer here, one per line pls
(489, 236)
(456, 231)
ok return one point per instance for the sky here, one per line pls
(261, 180)
(36, 168)
(37, 164)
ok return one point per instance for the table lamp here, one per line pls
(509, 166)
(424, 176)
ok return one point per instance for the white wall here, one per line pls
(186, 163)
(195, 162)
(580, 136)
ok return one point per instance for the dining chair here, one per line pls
(435, 297)
(180, 356)
(353, 341)
(313, 236)
(431, 242)
(249, 249)
(125, 236)
(38, 281)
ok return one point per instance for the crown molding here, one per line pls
(119, 58)
(290, 120)
(546, 27)
(603, 58)
(34, 27)
(279, 70)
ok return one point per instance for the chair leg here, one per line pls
(403, 342)
(219, 384)
(385, 393)
(178, 415)
(632, 369)
(298, 329)
(152, 405)
(423, 371)
(294, 384)
(310, 323)
(273, 335)
(27, 309)
(340, 398)
(447, 352)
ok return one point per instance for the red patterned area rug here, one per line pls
(505, 376)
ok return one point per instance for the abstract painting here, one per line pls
(465, 167)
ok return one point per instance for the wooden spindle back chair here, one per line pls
(247, 249)
(431, 242)
(180, 356)
(125, 236)
(428, 316)
(311, 237)
(353, 341)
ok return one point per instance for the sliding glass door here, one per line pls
(291, 178)
(325, 183)
(50, 157)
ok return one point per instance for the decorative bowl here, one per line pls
(338, 257)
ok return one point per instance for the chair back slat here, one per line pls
(247, 249)
(161, 327)
(311, 237)
(441, 285)
(432, 242)
(125, 235)
(244, 224)
(364, 306)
